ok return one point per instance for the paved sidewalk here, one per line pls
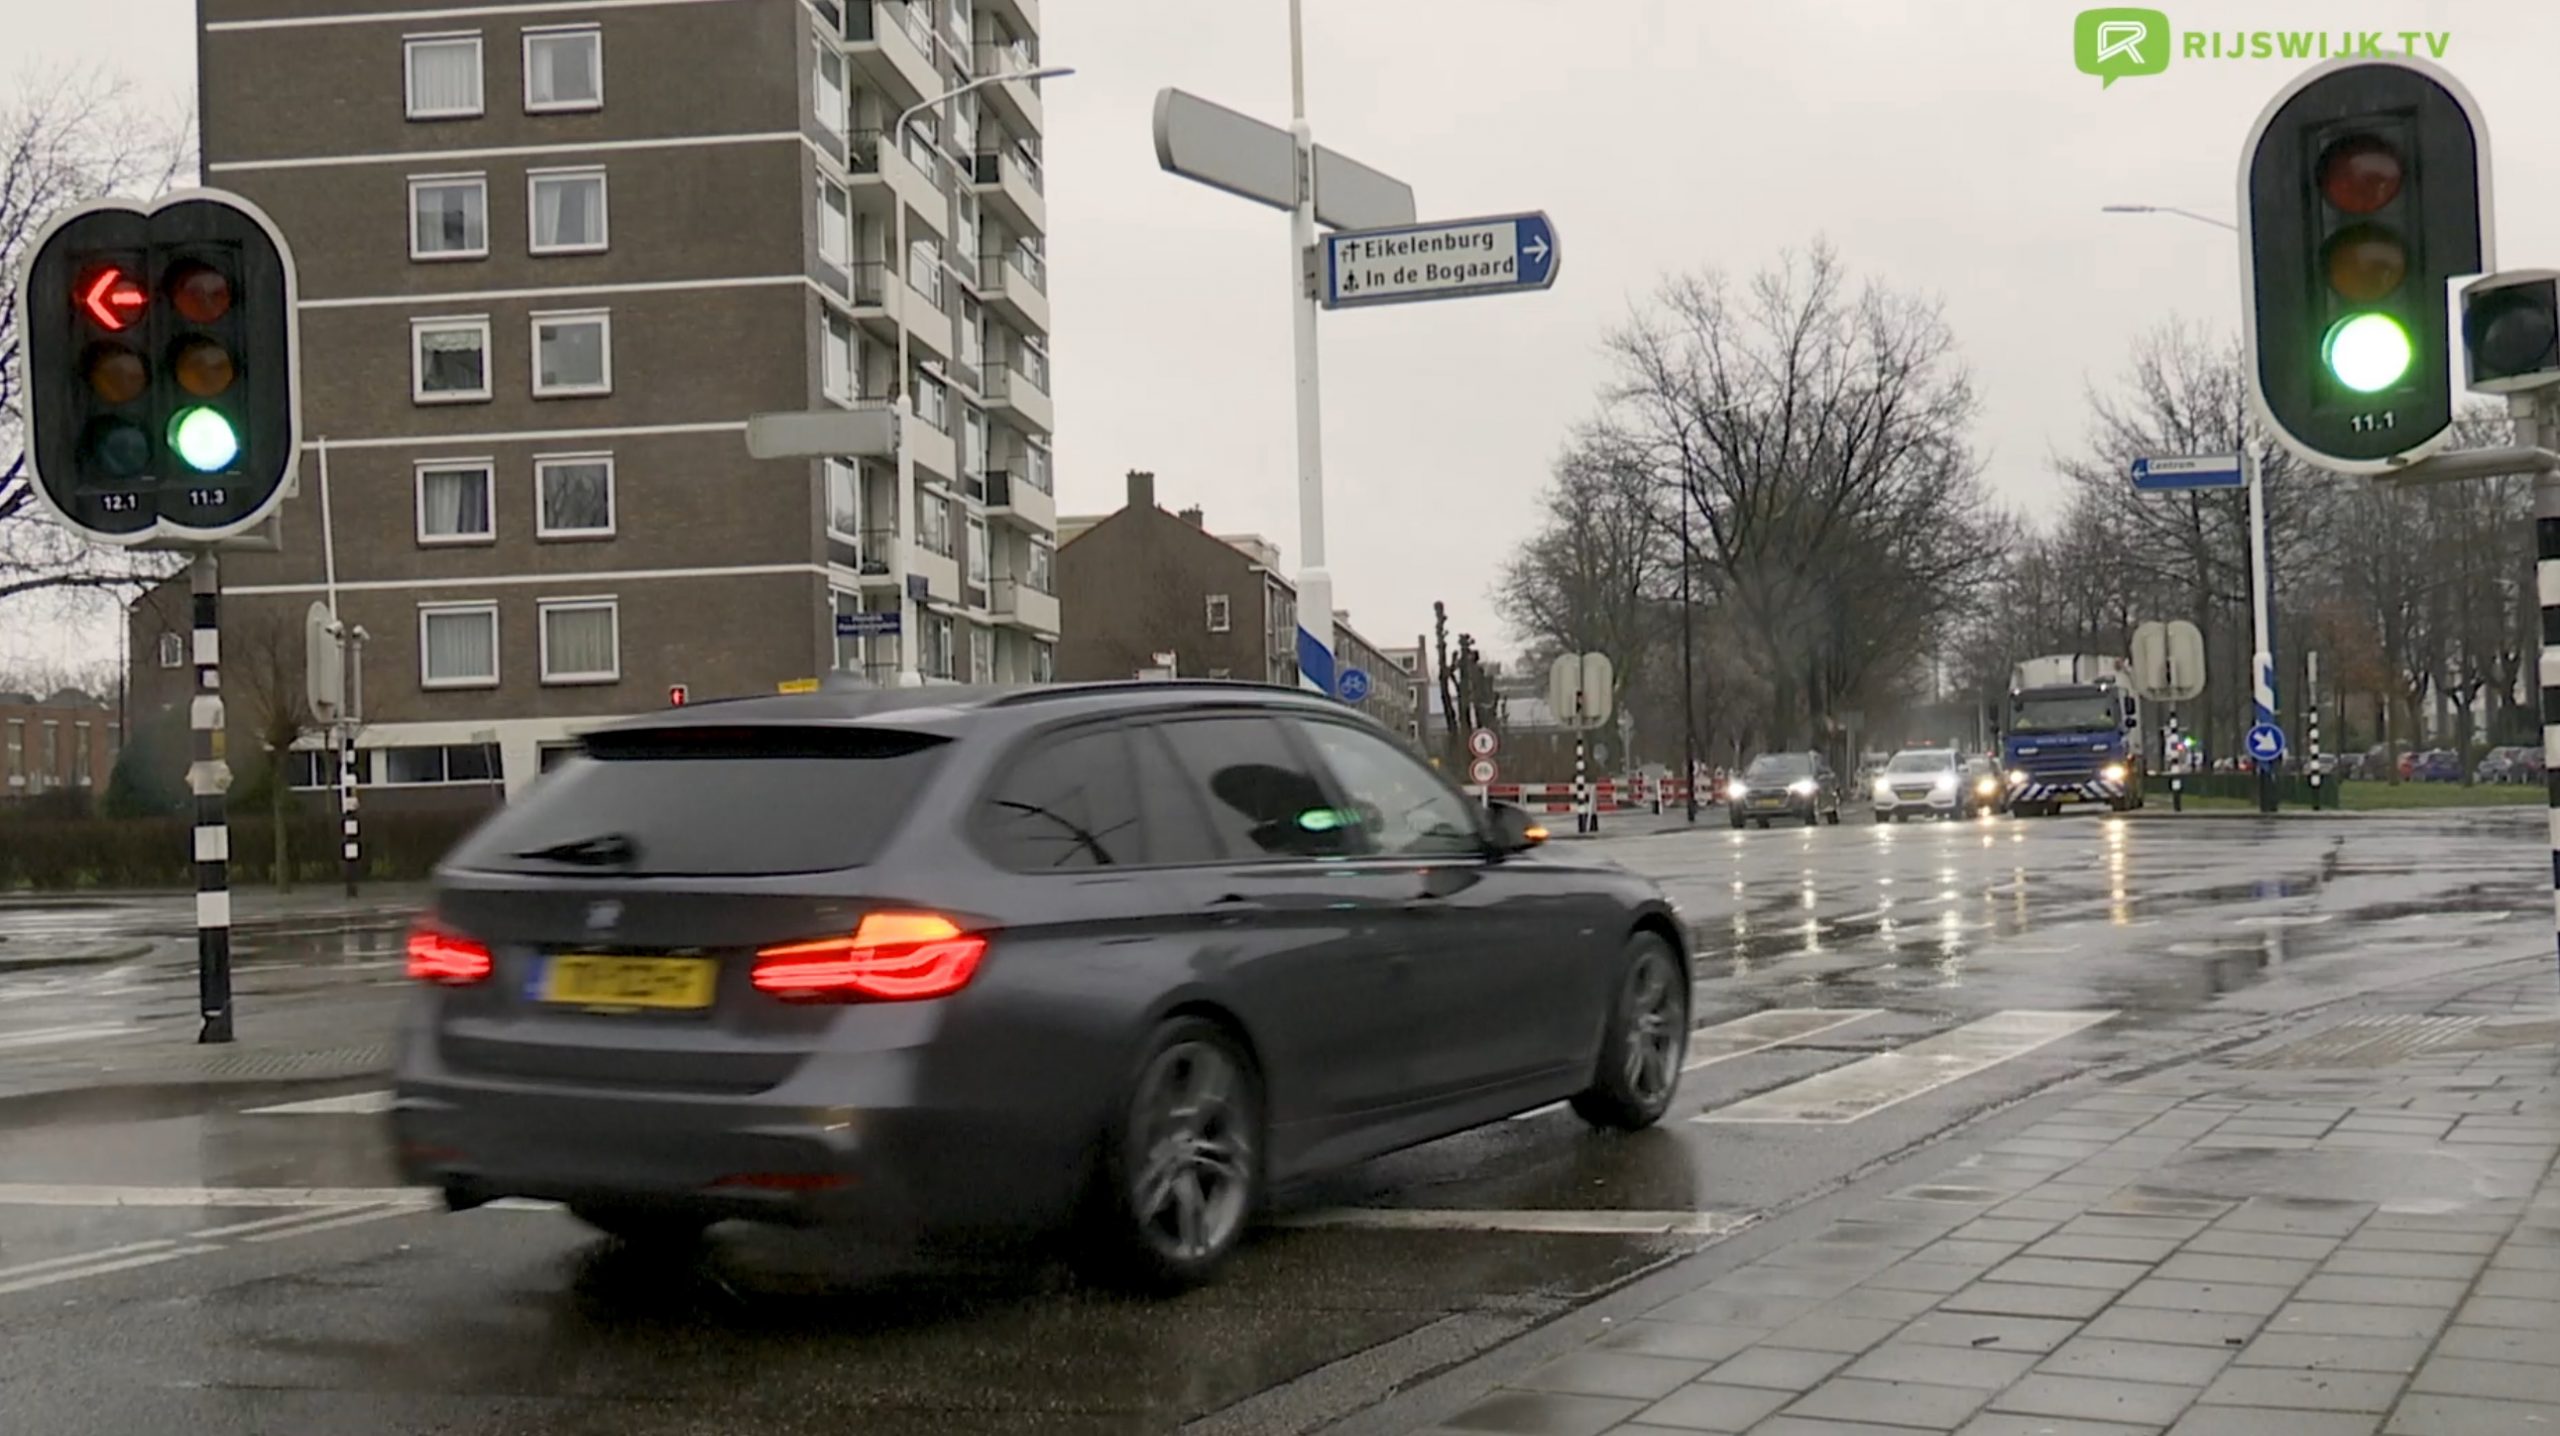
(2351, 1227)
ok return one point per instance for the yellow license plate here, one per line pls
(669, 982)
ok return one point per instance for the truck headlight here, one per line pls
(2017, 777)
(2113, 772)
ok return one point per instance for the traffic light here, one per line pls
(160, 362)
(2511, 331)
(2364, 191)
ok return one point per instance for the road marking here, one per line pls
(1591, 1223)
(102, 1268)
(83, 1258)
(28, 1194)
(353, 1104)
(351, 1219)
(1845, 1094)
(51, 1036)
(1775, 1027)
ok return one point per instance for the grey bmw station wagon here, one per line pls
(962, 964)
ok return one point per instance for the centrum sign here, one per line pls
(2119, 42)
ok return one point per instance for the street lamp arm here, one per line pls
(899, 128)
(2169, 209)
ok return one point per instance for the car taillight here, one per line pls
(448, 958)
(891, 957)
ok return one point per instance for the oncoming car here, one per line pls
(974, 964)
(1785, 785)
(1928, 782)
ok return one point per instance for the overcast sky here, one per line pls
(1949, 148)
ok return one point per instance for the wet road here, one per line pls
(238, 1260)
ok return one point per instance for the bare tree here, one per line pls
(263, 675)
(67, 139)
(1588, 581)
(1817, 431)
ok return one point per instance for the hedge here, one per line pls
(54, 854)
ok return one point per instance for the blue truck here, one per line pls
(2073, 736)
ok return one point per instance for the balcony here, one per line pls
(932, 449)
(913, 182)
(925, 309)
(871, 553)
(1011, 497)
(1019, 605)
(1017, 286)
(1018, 101)
(1010, 184)
(940, 572)
(893, 43)
(1022, 15)
(1013, 392)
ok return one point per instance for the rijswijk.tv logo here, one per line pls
(2122, 42)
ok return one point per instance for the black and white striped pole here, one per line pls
(1584, 820)
(2311, 724)
(2175, 759)
(209, 778)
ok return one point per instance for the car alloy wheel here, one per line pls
(1183, 1162)
(1647, 1039)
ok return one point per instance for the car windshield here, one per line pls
(1926, 760)
(711, 802)
(2064, 713)
(1779, 767)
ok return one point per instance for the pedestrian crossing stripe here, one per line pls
(361, 1104)
(1868, 1086)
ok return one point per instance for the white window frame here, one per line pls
(409, 47)
(543, 609)
(488, 470)
(418, 330)
(603, 318)
(533, 209)
(542, 529)
(562, 107)
(840, 123)
(496, 663)
(479, 180)
(1220, 614)
(836, 200)
(173, 650)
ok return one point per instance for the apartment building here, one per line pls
(554, 256)
(1140, 583)
(48, 744)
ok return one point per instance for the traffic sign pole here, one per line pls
(2262, 694)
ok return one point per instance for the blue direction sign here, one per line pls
(2266, 743)
(1450, 259)
(867, 625)
(2171, 473)
(1352, 685)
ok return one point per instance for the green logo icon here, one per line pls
(2117, 42)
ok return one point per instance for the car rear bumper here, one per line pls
(843, 1142)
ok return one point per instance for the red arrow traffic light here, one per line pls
(114, 299)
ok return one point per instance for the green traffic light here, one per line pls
(204, 440)
(2367, 352)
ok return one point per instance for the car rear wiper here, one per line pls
(609, 850)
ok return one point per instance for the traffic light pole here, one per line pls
(210, 779)
(2262, 694)
(2540, 423)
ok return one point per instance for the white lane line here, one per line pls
(1845, 1094)
(54, 1036)
(351, 1219)
(1591, 1223)
(293, 1219)
(1775, 1027)
(27, 1194)
(83, 1258)
(102, 1268)
(353, 1104)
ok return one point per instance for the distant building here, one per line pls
(1141, 582)
(67, 741)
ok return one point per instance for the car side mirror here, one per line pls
(1514, 831)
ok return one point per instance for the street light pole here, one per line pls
(1315, 581)
(1688, 666)
(2262, 621)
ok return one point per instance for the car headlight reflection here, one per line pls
(1884, 790)
(1945, 786)
(1802, 787)
(1987, 786)
(1737, 790)
(2113, 772)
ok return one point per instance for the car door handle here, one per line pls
(1228, 909)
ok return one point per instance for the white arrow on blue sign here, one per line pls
(2266, 742)
(1450, 259)
(1353, 685)
(2175, 472)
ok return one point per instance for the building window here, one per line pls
(1035, 466)
(572, 354)
(17, 752)
(454, 503)
(173, 650)
(982, 655)
(981, 552)
(844, 500)
(973, 442)
(1218, 613)
(933, 523)
(449, 217)
(451, 360)
(932, 401)
(444, 76)
(581, 641)
(829, 87)
(1044, 663)
(839, 366)
(937, 656)
(457, 645)
(848, 645)
(835, 225)
(573, 496)
(1218, 672)
(568, 211)
(452, 763)
(924, 268)
(563, 70)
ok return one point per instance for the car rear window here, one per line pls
(711, 802)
